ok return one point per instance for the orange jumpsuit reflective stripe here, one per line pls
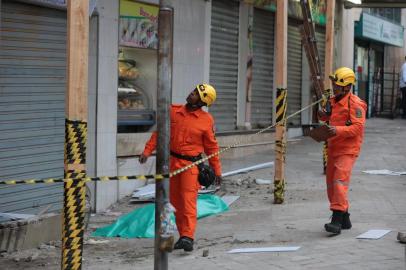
(192, 133)
(344, 148)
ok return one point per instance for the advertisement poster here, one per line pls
(138, 25)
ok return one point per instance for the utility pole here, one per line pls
(281, 84)
(164, 98)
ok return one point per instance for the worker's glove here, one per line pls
(322, 114)
(218, 180)
(142, 159)
(332, 131)
(322, 133)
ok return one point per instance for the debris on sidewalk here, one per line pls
(140, 223)
(401, 237)
(373, 234)
(205, 253)
(263, 181)
(147, 193)
(263, 249)
(92, 241)
(384, 172)
(247, 169)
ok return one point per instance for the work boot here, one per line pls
(346, 224)
(184, 243)
(335, 225)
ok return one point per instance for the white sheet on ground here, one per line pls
(373, 234)
(263, 249)
(384, 172)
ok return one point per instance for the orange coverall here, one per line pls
(344, 147)
(192, 133)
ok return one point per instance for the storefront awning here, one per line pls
(378, 29)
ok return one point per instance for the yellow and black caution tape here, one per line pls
(150, 176)
(281, 106)
(74, 205)
(280, 148)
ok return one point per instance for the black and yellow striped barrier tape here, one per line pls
(149, 176)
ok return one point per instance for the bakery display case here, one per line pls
(135, 110)
(137, 66)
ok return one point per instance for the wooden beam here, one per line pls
(281, 49)
(77, 55)
(281, 68)
(329, 55)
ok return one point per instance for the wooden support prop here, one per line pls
(75, 134)
(329, 55)
(280, 146)
(280, 108)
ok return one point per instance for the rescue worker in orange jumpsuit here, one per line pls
(192, 133)
(345, 132)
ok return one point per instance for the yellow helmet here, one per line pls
(207, 93)
(343, 76)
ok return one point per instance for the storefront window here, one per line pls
(392, 14)
(137, 66)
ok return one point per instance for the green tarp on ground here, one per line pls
(140, 222)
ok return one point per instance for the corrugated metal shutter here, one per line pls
(224, 62)
(262, 76)
(32, 105)
(294, 98)
(321, 46)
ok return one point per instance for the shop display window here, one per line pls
(137, 66)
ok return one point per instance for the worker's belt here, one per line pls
(188, 158)
(206, 173)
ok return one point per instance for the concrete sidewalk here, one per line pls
(377, 202)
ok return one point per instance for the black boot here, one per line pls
(184, 243)
(346, 224)
(335, 225)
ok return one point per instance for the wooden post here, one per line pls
(75, 134)
(281, 59)
(329, 55)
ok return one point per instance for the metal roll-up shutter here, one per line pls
(32, 105)
(294, 98)
(262, 64)
(321, 47)
(224, 62)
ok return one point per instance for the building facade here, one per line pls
(230, 44)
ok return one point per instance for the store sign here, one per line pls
(318, 8)
(138, 25)
(380, 30)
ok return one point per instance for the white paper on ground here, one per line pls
(384, 172)
(229, 199)
(264, 249)
(373, 234)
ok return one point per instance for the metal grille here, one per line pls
(294, 97)
(262, 77)
(224, 62)
(32, 105)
